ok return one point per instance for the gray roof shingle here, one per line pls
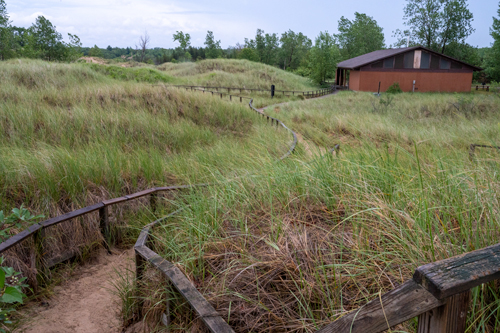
(374, 56)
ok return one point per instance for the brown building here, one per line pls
(414, 68)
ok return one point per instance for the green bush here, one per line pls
(394, 89)
(20, 218)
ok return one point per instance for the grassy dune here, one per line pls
(235, 73)
(274, 246)
(303, 242)
(69, 134)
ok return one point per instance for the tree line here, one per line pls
(41, 40)
(441, 25)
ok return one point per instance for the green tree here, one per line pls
(184, 42)
(492, 58)
(260, 43)
(294, 47)
(213, 49)
(266, 47)
(47, 40)
(73, 48)
(323, 58)
(249, 54)
(360, 36)
(271, 48)
(4, 16)
(24, 42)
(437, 23)
(183, 39)
(6, 35)
(95, 52)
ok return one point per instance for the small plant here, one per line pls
(10, 293)
(384, 103)
(464, 103)
(394, 89)
(20, 217)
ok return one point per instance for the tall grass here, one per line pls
(295, 245)
(67, 132)
(274, 246)
(236, 73)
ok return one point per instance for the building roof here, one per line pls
(374, 56)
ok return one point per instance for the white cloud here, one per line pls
(121, 22)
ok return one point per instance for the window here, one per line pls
(377, 64)
(389, 63)
(399, 62)
(456, 65)
(444, 64)
(434, 62)
(425, 61)
(409, 59)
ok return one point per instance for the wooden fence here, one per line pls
(306, 94)
(438, 294)
(204, 310)
(472, 149)
(143, 254)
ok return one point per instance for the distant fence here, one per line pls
(472, 149)
(306, 94)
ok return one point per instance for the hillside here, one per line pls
(235, 73)
(70, 136)
(269, 242)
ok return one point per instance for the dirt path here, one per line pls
(310, 152)
(84, 303)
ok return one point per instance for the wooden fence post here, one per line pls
(472, 150)
(153, 202)
(448, 318)
(40, 263)
(104, 225)
(139, 273)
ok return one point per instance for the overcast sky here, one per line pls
(121, 22)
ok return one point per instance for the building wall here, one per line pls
(354, 77)
(425, 81)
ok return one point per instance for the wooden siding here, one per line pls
(425, 81)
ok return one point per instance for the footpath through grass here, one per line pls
(302, 242)
(274, 246)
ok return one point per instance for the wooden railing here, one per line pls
(438, 294)
(143, 254)
(306, 94)
(472, 149)
(205, 311)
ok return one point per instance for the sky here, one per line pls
(122, 22)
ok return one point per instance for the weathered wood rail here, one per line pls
(472, 149)
(202, 307)
(306, 94)
(205, 311)
(438, 294)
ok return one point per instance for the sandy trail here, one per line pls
(310, 148)
(85, 302)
